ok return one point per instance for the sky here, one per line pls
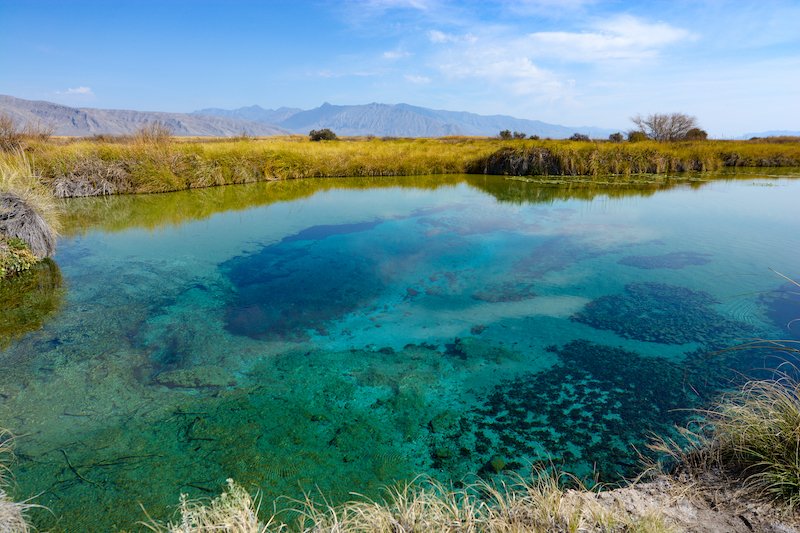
(735, 65)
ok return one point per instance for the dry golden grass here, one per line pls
(541, 505)
(110, 166)
(12, 514)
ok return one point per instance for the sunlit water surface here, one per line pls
(338, 335)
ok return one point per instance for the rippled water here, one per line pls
(343, 334)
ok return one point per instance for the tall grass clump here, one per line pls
(12, 514)
(541, 505)
(756, 434)
(752, 434)
(234, 511)
(28, 210)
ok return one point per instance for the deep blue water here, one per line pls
(341, 335)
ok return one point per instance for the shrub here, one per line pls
(579, 137)
(15, 256)
(153, 133)
(696, 134)
(518, 135)
(324, 134)
(505, 135)
(12, 137)
(637, 136)
(616, 137)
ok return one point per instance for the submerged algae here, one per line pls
(662, 313)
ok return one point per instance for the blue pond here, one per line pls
(339, 335)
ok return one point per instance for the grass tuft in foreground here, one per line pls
(12, 514)
(541, 505)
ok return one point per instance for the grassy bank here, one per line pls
(88, 168)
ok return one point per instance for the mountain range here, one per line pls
(398, 120)
(384, 120)
(81, 122)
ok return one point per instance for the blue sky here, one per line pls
(735, 65)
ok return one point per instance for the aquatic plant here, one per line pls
(584, 413)
(657, 312)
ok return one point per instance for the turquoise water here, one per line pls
(343, 334)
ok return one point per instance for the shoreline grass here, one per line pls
(79, 167)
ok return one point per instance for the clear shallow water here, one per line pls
(343, 334)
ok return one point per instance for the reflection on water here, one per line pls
(343, 334)
(28, 300)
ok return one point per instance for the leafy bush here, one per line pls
(616, 137)
(505, 135)
(579, 137)
(15, 257)
(696, 134)
(637, 136)
(324, 134)
(518, 135)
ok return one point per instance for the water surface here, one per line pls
(344, 334)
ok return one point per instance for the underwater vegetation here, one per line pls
(667, 314)
(289, 288)
(582, 414)
(29, 298)
(782, 307)
(672, 260)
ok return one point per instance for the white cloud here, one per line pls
(440, 37)
(422, 5)
(623, 37)
(77, 91)
(395, 54)
(419, 80)
(546, 7)
(504, 68)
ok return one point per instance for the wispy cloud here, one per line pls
(417, 79)
(396, 54)
(621, 37)
(77, 91)
(552, 8)
(421, 5)
(502, 67)
(440, 37)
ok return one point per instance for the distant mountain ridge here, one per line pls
(400, 120)
(82, 122)
(384, 120)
